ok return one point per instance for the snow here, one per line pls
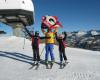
(15, 62)
(94, 32)
(80, 33)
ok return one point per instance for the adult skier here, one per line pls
(51, 24)
(49, 44)
(35, 45)
(61, 39)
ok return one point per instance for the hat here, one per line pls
(36, 33)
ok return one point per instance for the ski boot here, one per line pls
(46, 63)
(61, 64)
(65, 63)
(34, 62)
(51, 64)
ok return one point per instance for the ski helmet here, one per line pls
(36, 33)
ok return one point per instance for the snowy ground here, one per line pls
(15, 63)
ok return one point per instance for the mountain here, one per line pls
(15, 62)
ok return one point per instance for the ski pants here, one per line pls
(62, 54)
(49, 49)
(36, 56)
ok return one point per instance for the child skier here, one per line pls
(35, 45)
(61, 39)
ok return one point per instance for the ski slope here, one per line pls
(15, 63)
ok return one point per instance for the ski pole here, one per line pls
(24, 39)
(42, 51)
(24, 43)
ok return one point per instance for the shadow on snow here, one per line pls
(19, 57)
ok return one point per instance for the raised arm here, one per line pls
(55, 30)
(43, 31)
(28, 32)
(65, 36)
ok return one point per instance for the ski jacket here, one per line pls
(62, 42)
(50, 34)
(51, 40)
(35, 39)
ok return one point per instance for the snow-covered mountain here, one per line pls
(15, 63)
(81, 33)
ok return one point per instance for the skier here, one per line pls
(49, 44)
(35, 45)
(61, 39)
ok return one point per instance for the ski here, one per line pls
(51, 65)
(37, 66)
(33, 65)
(63, 65)
(47, 66)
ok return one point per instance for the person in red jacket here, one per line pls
(35, 45)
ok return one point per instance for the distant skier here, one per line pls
(35, 45)
(61, 39)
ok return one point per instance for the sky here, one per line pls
(73, 14)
